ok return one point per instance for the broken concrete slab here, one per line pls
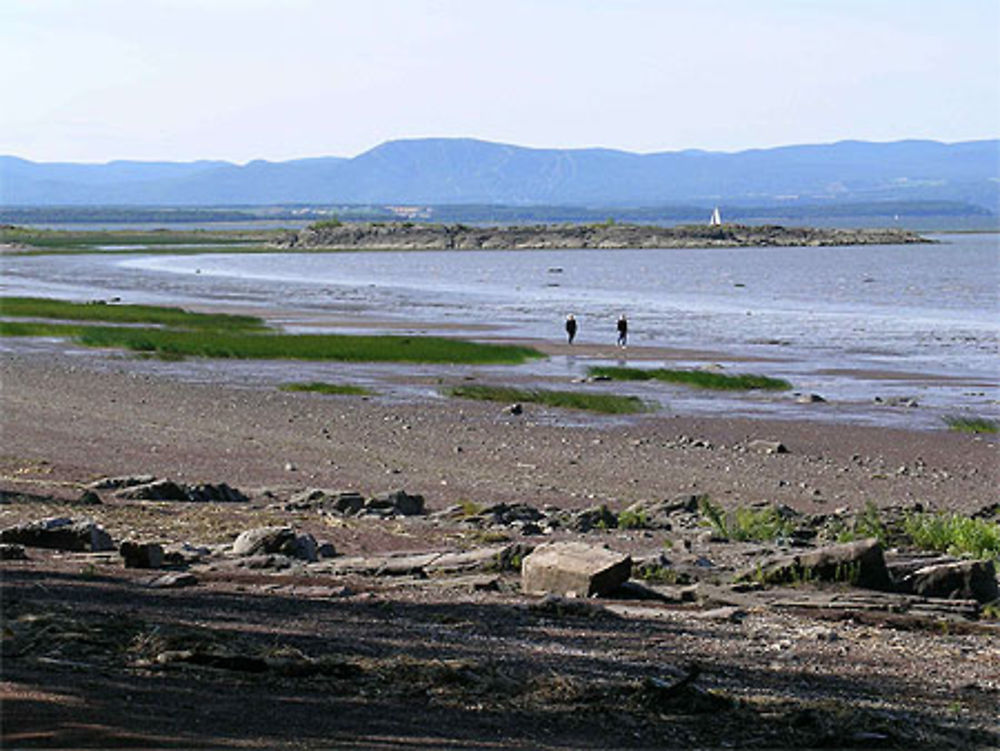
(574, 568)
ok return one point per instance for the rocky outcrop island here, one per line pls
(419, 236)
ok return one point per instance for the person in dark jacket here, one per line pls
(622, 331)
(570, 328)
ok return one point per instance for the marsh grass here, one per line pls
(698, 378)
(38, 307)
(274, 346)
(320, 387)
(954, 534)
(971, 424)
(238, 337)
(34, 328)
(605, 403)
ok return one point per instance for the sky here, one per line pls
(179, 80)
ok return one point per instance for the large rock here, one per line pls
(168, 490)
(157, 490)
(565, 568)
(860, 563)
(399, 503)
(276, 540)
(59, 533)
(141, 554)
(963, 580)
(263, 540)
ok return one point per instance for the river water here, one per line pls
(850, 323)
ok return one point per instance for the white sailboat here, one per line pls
(716, 219)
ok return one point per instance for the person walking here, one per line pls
(570, 328)
(622, 331)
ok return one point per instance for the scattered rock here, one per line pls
(141, 554)
(89, 498)
(59, 533)
(117, 483)
(729, 613)
(767, 447)
(11, 552)
(964, 580)
(175, 580)
(399, 503)
(513, 409)
(574, 567)
(599, 517)
(898, 401)
(168, 490)
(157, 490)
(556, 606)
(275, 540)
(810, 399)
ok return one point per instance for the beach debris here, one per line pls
(576, 568)
(59, 533)
(141, 554)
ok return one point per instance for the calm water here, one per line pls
(926, 310)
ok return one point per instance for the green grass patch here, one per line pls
(320, 387)
(971, 424)
(745, 524)
(250, 346)
(605, 403)
(699, 378)
(954, 534)
(39, 307)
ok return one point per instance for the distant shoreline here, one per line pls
(413, 236)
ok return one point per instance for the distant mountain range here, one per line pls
(465, 171)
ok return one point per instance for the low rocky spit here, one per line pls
(482, 626)
(418, 236)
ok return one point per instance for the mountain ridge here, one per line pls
(473, 171)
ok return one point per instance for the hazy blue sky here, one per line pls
(94, 80)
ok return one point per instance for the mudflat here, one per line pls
(377, 644)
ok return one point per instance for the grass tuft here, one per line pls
(605, 403)
(327, 388)
(698, 378)
(954, 534)
(971, 424)
(745, 524)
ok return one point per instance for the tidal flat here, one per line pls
(416, 608)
